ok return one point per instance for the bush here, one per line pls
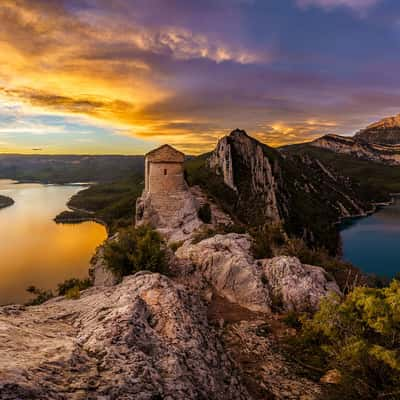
(346, 275)
(73, 293)
(72, 283)
(41, 295)
(266, 240)
(204, 213)
(360, 337)
(136, 249)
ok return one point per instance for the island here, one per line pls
(5, 201)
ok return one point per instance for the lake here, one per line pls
(373, 243)
(34, 250)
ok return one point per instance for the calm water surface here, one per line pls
(373, 243)
(34, 250)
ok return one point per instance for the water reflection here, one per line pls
(372, 243)
(33, 249)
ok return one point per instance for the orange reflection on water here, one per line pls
(34, 250)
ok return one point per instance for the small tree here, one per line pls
(360, 336)
(136, 249)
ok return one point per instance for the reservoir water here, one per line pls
(373, 243)
(34, 250)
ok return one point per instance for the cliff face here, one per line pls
(245, 168)
(302, 193)
(384, 132)
(365, 145)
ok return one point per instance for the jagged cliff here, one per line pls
(267, 186)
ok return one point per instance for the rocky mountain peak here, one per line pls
(388, 122)
(384, 132)
(238, 133)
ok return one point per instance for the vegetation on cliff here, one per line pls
(358, 336)
(310, 199)
(376, 181)
(135, 249)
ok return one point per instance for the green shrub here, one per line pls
(73, 293)
(136, 249)
(80, 284)
(266, 240)
(360, 336)
(40, 295)
(204, 213)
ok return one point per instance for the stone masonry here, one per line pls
(166, 203)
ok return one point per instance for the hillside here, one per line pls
(384, 132)
(376, 180)
(378, 142)
(69, 168)
(258, 185)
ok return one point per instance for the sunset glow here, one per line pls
(96, 76)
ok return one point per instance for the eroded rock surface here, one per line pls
(146, 338)
(226, 263)
(297, 286)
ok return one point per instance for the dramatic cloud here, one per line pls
(188, 72)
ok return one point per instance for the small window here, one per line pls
(165, 172)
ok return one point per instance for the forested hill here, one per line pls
(69, 168)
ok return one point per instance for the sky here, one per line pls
(123, 76)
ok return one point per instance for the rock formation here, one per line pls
(384, 132)
(359, 148)
(146, 338)
(225, 262)
(270, 186)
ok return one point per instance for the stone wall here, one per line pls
(165, 177)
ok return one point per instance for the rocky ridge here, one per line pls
(378, 142)
(359, 148)
(268, 186)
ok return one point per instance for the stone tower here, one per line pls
(166, 202)
(164, 170)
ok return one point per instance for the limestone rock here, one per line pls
(250, 155)
(99, 274)
(297, 286)
(145, 338)
(226, 263)
(174, 215)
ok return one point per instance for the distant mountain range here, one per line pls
(379, 142)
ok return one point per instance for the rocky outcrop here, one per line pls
(146, 338)
(245, 167)
(295, 286)
(359, 148)
(283, 283)
(172, 214)
(224, 261)
(99, 273)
